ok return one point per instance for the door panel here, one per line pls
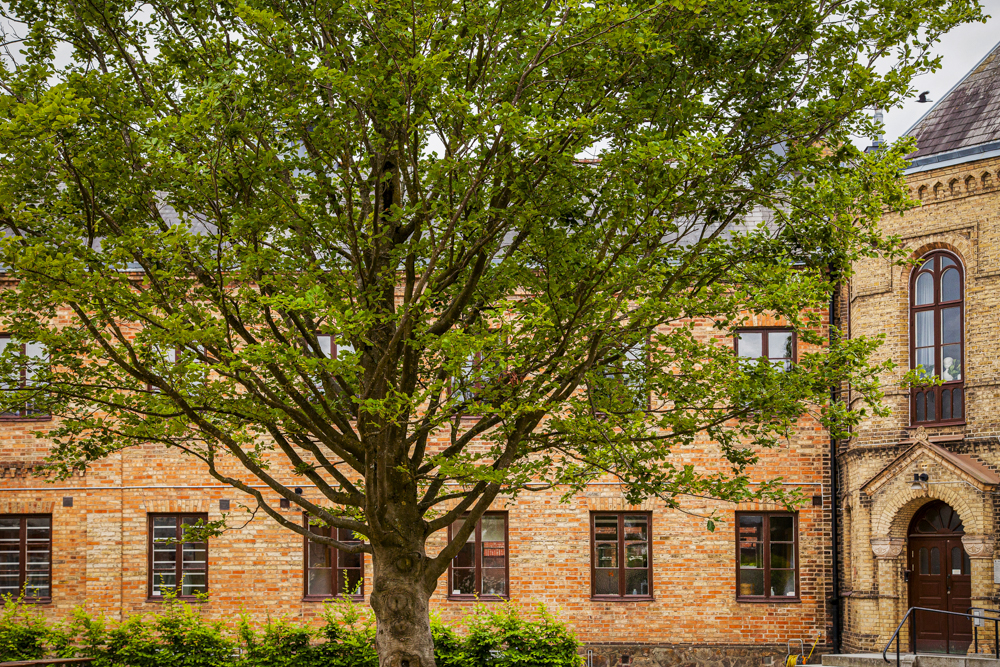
(940, 580)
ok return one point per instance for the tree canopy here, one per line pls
(429, 253)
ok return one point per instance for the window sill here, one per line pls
(182, 598)
(621, 598)
(777, 599)
(960, 422)
(31, 601)
(327, 598)
(16, 418)
(478, 598)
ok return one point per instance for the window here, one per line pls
(481, 568)
(775, 345)
(767, 559)
(621, 555)
(329, 348)
(33, 356)
(937, 338)
(622, 385)
(331, 572)
(172, 561)
(26, 556)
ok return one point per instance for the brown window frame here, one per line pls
(766, 529)
(622, 578)
(621, 372)
(23, 415)
(23, 557)
(178, 562)
(478, 568)
(765, 344)
(335, 568)
(920, 392)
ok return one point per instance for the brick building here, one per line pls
(918, 489)
(684, 595)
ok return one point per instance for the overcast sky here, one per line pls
(960, 49)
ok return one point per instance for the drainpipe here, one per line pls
(834, 499)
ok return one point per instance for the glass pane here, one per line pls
(925, 289)
(606, 582)
(493, 528)
(8, 584)
(164, 528)
(637, 582)
(164, 555)
(325, 344)
(494, 581)
(194, 582)
(343, 347)
(466, 556)
(37, 585)
(935, 561)
(782, 555)
(946, 404)
(463, 581)
(924, 328)
(919, 400)
(751, 554)
(951, 325)
(635, 528)
(10, 530)
(951, 287)
(606, 528)
(782, 529)
(194, 555)
(350, 582)
(956, 560)
(951, 362)
(345, 559)
(925, 359)
(957, 403)
(783, 583)
(751, 582)
(636, 555)
(751, 344)
(779, 344)
(946, 262)
(966, 565)
(924, 567)
(38, 526)
(163, 581)
(931, 412)
(319, 555)
(321, 581)
(607, 554)
(494, 554)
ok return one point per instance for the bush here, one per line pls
(498, 635)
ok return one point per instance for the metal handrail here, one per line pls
(975, 628)
(913, 628)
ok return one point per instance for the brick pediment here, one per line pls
(963, 467)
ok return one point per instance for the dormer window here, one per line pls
(937, 339)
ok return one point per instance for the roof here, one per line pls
(963, 466)
(966, 120)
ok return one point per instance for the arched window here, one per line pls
(937, 338)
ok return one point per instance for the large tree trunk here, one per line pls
(401, 600)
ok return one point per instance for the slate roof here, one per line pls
(966, 117)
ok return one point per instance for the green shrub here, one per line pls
(498, 635)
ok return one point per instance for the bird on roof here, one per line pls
(923, 96)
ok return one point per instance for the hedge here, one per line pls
(492, 635)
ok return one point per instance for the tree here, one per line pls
(199, 196)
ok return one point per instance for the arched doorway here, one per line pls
(939, 572)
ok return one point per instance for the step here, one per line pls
(908, 659)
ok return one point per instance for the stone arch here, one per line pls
(970, 183)
(953, 187)
(958, 246)
(987, 180)
(922, 192)
(894, 518)
(938, 190)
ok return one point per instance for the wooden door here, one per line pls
(939, 579)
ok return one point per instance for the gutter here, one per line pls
(834, 500)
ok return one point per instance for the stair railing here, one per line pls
(913, 629)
